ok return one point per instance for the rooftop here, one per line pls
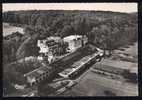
(71, 37)
(37, 72)
(53, 38)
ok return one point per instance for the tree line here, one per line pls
(107, 30)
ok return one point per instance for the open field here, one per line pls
(7, 29)
(131, 49)
(93, 84)
(128, 53)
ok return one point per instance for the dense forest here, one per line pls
(107, 30)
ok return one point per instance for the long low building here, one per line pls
(37, 75)
(44, 72)
(82, 64)
(74, 60)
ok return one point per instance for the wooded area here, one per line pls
(107, 30)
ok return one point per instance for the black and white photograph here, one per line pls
(70, 49)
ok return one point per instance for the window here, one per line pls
(44, 75)
(37, 81)
(33, 83)
(47, 74)
(41, 41)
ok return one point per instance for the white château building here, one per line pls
(75, 42)
(50, 46)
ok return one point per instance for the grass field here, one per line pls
(7, 29)
(93, 84)
(130, 50)
(129, 53)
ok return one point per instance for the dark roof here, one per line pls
(37, 72)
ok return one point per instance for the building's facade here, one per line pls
(75, 42)
(49, 44)
(49, 47)
(48, 72)
(37, 75)
(80, 65)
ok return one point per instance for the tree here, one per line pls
(67, 30)
(109, 93)
(108, 30)
(94, 36)
(132, 77)
(29, 31)
(11, 76)
(27, 48)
